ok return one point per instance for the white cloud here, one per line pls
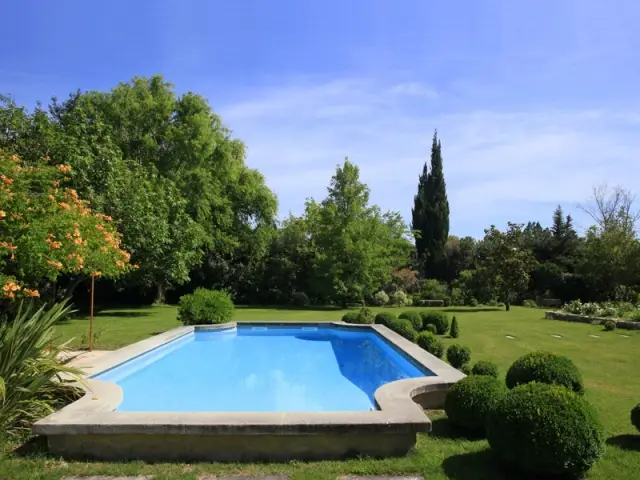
(496, 161)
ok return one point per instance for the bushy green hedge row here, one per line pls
(205, 307)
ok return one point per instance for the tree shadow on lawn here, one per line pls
(481, 465)
(473, 309)
(313, 308)
(442, 428)
(625, 442)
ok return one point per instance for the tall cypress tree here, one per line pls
(431, 211)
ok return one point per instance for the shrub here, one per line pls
(432, 289)
(432, 344)
(465, 369)
(367, 314)
(31, 368)
(430, 303)
(529, 303)
(454, 332)
(414, 318)
(381, 298)
(458, 355)
(398, 298)
(635, 416)
(205, 307)
(609, 325)
(431, 329)
(473, 302)
(545, 367)
(470, 400)
(609, 311)
(492, 303)
(404, 328)
(299, 299)
(501, 304)
(485, 367)
(385, 318)
(457, 297)
(439, 319)
(358, 317)
(545, 429)
(635, 316)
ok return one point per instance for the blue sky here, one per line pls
(535, 101)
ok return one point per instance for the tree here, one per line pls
(47, 231)
(357, 246)
(430, 213)
(507, 262)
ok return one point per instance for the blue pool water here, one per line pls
(262, 369)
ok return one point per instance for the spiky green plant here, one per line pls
(31, 370)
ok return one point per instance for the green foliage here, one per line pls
(380, 298)
(545, 367)
(439, 319)
(609, 325)
(472, 302)
(431, 329)
(635, 416)
(385, 318)
(458, 355)
(403, 327)
(432, 289)
(362, 316)
(529, 303)
(299, 299)
(414, 317)
(432, 344)
(492, 303)
(205, 307)
(506, 261)
(545, 429)
(399, 299)
(485, 367)
(31, 385)
(430, 213)
(455, 329)
(470, 400)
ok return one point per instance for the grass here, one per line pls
(608, 364)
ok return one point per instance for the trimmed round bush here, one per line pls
(545, 429)
(473, 302)
(545, 367)
(205, 307)
(432, 344)
(609, 325)
(439, 319)
(635, 416)
(404, 327)
(485, 367)
(356, 317)
(465, 369)
(469, 401)
(299, 299)
(458, 355)
(414, 318)
(431, 329)
(384, 318)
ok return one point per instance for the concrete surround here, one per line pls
(90, 428)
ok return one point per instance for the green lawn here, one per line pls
(609, 365)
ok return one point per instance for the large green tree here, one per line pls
(430, 213)
(356, 245)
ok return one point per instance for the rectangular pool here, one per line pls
(262, 369)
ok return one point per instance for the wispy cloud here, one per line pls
(499, 164)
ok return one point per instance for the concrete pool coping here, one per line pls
(92, 418)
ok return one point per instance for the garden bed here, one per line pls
(572, 317)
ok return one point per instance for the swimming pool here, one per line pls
(263, 369)
(253, 391)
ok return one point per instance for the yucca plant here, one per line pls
(34, 380)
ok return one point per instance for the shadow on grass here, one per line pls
(127, 314)
(311, 308)
(473, 309)
(482, 465)
(442, 428)
(625, 442)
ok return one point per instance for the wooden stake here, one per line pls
(93, 279)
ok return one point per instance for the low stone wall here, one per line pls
(572, 317)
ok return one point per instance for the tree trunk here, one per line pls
(507, 305)
(72, 286)
(160, 294)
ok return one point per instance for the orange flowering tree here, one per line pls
(46, 231)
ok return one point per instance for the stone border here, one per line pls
(572, 317)
(82, 428)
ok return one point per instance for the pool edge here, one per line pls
(90, 428)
